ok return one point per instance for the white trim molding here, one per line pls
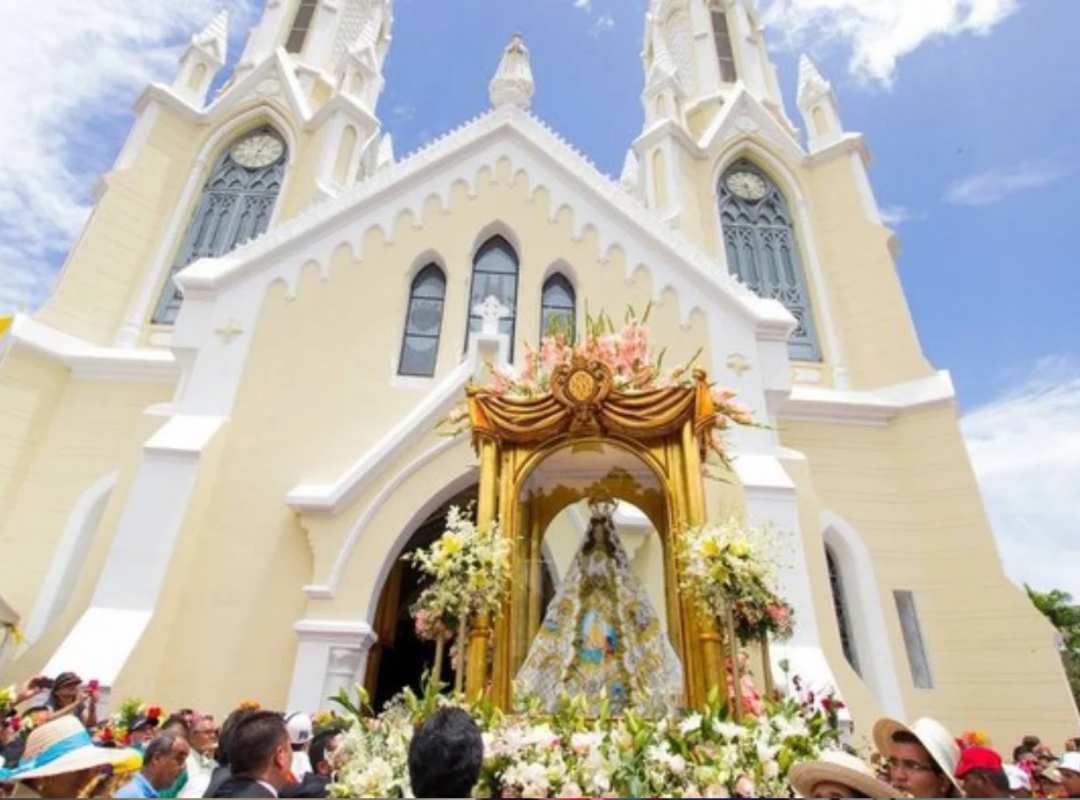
(91, 362)
(878, 407)
(70, 554)
(865, 613)
(331, 656)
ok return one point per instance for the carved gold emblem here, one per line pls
(581, 386)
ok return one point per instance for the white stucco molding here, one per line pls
(745, 114)
(331, 656)
(867, 618)
(88, 361)
(815, 404)
(550, 162)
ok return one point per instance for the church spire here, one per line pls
(513, 84)
(818, 106)
(203, 59)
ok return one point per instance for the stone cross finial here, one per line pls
(513, 83)
(490, 312)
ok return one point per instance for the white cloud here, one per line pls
(601, 25)
(73, 69)
(1025, 447)
(881, 32)
(991, 186)
(898, 215)
(584, 5)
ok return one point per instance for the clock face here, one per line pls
(747, 185)
(258, 151)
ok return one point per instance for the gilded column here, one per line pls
(476, 674)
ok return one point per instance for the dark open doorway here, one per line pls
(399, 659)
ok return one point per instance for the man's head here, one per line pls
(164, 759)
(981, 773)
(446, 755)
(227, 729)
(177, 726)
(204, 735)
(260, 749)
(913, 770)
(1070, 773)
(323, 747)
(1025, 757)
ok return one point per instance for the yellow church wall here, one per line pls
(869, 308)
(318, 391)
(909, 491)
(84, 431)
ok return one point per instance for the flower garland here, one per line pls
(568, 754)
(729, 565)
(117, 729)
(627, 351)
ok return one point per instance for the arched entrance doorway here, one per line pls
(399, 659)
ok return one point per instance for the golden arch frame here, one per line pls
(667, 430)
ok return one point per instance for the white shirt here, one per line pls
(301, 764)
(200, 769)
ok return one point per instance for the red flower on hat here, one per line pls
(15, 723)
(107, 735)
(154, 712)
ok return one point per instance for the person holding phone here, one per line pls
(68, 695)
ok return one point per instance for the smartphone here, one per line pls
(42, 683)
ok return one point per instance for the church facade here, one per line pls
(218, 434)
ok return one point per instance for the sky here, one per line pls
(970, 108)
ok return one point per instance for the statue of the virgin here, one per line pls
(601, 636)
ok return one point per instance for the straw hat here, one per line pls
(64, 746)
(931, 734)
(841, 768)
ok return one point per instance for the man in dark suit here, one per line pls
(317, 782)
(259, 757)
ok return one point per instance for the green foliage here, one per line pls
(1058, 607)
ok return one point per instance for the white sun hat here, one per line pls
(1018, 779)
(842, 768)
(63, 746)
(931, 734)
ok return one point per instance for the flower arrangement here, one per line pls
(733, 566)
(117, 730)
(469, 571)
(973, 739)
(569, 754)
(627, 351)
(8, 695)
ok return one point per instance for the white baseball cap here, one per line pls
(299, 726)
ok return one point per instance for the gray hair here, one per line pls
(160, 745)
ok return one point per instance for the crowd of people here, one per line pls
(259, 753)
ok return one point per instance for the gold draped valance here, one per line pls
(583, 402)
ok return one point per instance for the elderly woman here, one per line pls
(60, 760)
(837, 774)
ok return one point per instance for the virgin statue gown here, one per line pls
(601, 638)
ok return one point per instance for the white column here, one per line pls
(332, 656)
(771, 500)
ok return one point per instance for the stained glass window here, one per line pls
(762, 250)
(423, 323)
(558, 307)
(236, 205)
(495, 274)
(840, 608)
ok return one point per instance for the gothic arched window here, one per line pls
(840, 608)
(724, 50)
(423, 323)
(236, 205)
(762, 250)
(305, 13)
(558, 306)
(495, 274)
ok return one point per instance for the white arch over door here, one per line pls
(865, 614)
(70, 555)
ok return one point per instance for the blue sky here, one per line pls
(970, 108)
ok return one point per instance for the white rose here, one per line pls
(677, 765)
(572, 790)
